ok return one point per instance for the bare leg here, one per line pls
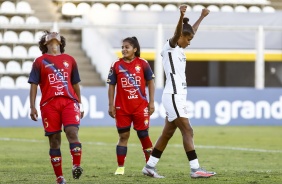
(167, 133)
(187, 133)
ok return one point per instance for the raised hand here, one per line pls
(205, 12)
(182, 9)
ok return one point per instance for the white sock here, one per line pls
(194, 164)
(152, 162)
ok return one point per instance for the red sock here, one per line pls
(121, 155)
(56, 161)
(76, 151)
(147, 147)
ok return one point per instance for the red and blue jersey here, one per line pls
(130, 80)
(55, 75)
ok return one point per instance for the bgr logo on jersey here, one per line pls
(59, 76)
(131, 80)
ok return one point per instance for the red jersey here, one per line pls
(130, 80)
(55, 76)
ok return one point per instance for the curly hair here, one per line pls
(43, 47)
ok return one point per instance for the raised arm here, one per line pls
(178, 29)
(204, 13)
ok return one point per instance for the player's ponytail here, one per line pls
(187, 28)
(134, 42)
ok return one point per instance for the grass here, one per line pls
(247, 155)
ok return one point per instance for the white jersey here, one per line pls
(174, 63)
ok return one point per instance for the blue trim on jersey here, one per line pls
(132, 80)
(46, 62)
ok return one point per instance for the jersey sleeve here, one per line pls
(75, 78)
(148, 73)
(166, 47)
(112, 77)
(34, 76)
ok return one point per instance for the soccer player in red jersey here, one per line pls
(128, 76)
(57, 75)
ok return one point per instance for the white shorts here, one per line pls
(175, 106)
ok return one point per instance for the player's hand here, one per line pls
(112, 111)
(81, 115)
(151, 108)
(205, 12)
(81, 109)
(33, 114)
(182, 9)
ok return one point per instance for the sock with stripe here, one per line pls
(56, 161)
(121, 152)
(193, 160)
(76, 151)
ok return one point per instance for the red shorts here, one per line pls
(57, 112)
(140, 119)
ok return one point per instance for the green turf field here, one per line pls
(247, 155)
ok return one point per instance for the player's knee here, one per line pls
(142, 133)
(72, 134)
(187, 132)
(55, 142)
(167, 135)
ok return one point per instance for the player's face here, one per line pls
(185, 40)
(53, 47)
(127, 50)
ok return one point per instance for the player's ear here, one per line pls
(135, 50)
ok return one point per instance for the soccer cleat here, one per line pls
(76, 172)
(151, 171)
(201, 173)
(119, 171)
(61, 180)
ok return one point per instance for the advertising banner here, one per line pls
(206, 107)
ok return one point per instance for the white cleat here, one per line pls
(151, 171)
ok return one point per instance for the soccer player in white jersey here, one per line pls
(174, 98)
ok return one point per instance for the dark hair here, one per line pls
(187, 28)
(44, 48)
(134, 42)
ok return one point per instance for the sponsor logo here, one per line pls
(185, 110)
(146, 111)
(76, 107)
(59, 87)
(49, 65)
(76, 149)
(58, 76)
(66, 64)
(77, 117)
(56, 159)
(111, 72)
(122, 70)
(146, 122)
(132, 93)
(137, 68)
(131, 80)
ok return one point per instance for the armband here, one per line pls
(81, 107)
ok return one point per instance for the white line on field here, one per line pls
(174, 145)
